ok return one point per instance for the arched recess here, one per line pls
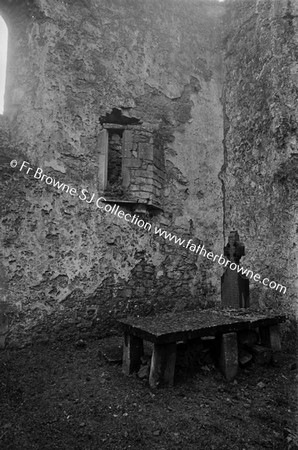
(3, 60)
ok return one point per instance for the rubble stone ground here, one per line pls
(67, 396)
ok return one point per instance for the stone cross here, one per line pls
(234, 285)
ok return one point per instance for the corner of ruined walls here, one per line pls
(261, 159)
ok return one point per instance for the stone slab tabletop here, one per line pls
(173, 327)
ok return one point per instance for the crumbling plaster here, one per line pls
(260, 113)
(217, 82)
(67, 265)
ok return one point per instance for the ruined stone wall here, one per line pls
(260, 115)
(66, 265)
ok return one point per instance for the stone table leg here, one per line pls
(132, 352)
(162, 365)
(228, 359)
(270, 338)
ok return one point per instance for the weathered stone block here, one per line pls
(144, 371)
(127, 143)
(143, 195)
(125, 176)
(270, 337)
(228, 359)
(261, 355)
(134, 163)
(244, 358)
(162, 367)
(132, 352)
(146, 151)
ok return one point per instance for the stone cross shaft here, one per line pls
(234, 286)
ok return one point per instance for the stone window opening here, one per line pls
(130, 165)
(112, 157)
(3, 59)
(115, 156)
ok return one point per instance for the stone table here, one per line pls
(168, 329)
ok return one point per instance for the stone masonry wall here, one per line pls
(260, 117)
(65, 265)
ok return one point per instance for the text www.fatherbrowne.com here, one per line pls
(101, 203)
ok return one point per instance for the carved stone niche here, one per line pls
(128, 165)
(131, 167)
